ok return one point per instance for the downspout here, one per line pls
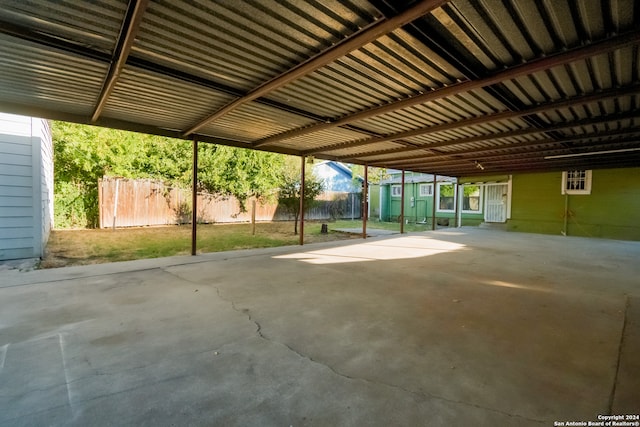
(368, 204)
(415, 201)
(565, 232)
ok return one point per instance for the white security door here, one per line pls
(496, 203)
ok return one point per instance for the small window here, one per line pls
(446, 197)
(576, 182)
(396, 191)
(471, 199)
(426, 190)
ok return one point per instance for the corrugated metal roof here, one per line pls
(431, 86)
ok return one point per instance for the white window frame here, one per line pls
(480, 202)
(455, 197)
(428, 190)
(396, 190)
(587, 183)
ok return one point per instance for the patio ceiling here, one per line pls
(455, 88)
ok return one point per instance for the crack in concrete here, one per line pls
(422, 395)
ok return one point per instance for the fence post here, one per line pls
(115, 204)
(253, 217)
(100, 204)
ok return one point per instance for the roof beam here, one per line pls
(468, 168)
(504, 115)
(57, 43)
(545, 149)
(533, 66)
(495, 136)
(475, 152)
(82, 119)
(38, 37)
(130, 27)
(359, 39)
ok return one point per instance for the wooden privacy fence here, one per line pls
(141, 202)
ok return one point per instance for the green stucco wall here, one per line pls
(612, 210)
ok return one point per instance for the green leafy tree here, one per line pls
(375, 175)
(84, 154)
(289, 194)
(239, 172)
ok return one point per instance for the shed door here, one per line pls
(496, 203)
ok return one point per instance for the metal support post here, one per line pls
(302, 200)
(402, 204)
(194, 198)
(365, 204)
(457, 200)
(435, 197)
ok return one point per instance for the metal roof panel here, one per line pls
(160, 100)
(254, 121)
(403, 82)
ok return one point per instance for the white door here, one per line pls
(496, 203)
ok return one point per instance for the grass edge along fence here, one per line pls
(127, 202)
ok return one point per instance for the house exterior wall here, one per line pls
(374, 201)
(26, 186)
(419, 209)
(612, 210)
(42, 142)
(334, 179)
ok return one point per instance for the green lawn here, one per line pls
(393, 226)
(79, 247)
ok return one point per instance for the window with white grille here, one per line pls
(446, 197)
(471, 198)
(426, 190)
(396, 190)
(576, 182)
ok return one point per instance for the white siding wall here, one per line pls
(24, 210)
(42, 139)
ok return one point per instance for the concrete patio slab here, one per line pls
(463, 326)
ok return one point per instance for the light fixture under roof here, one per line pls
(591, 153)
